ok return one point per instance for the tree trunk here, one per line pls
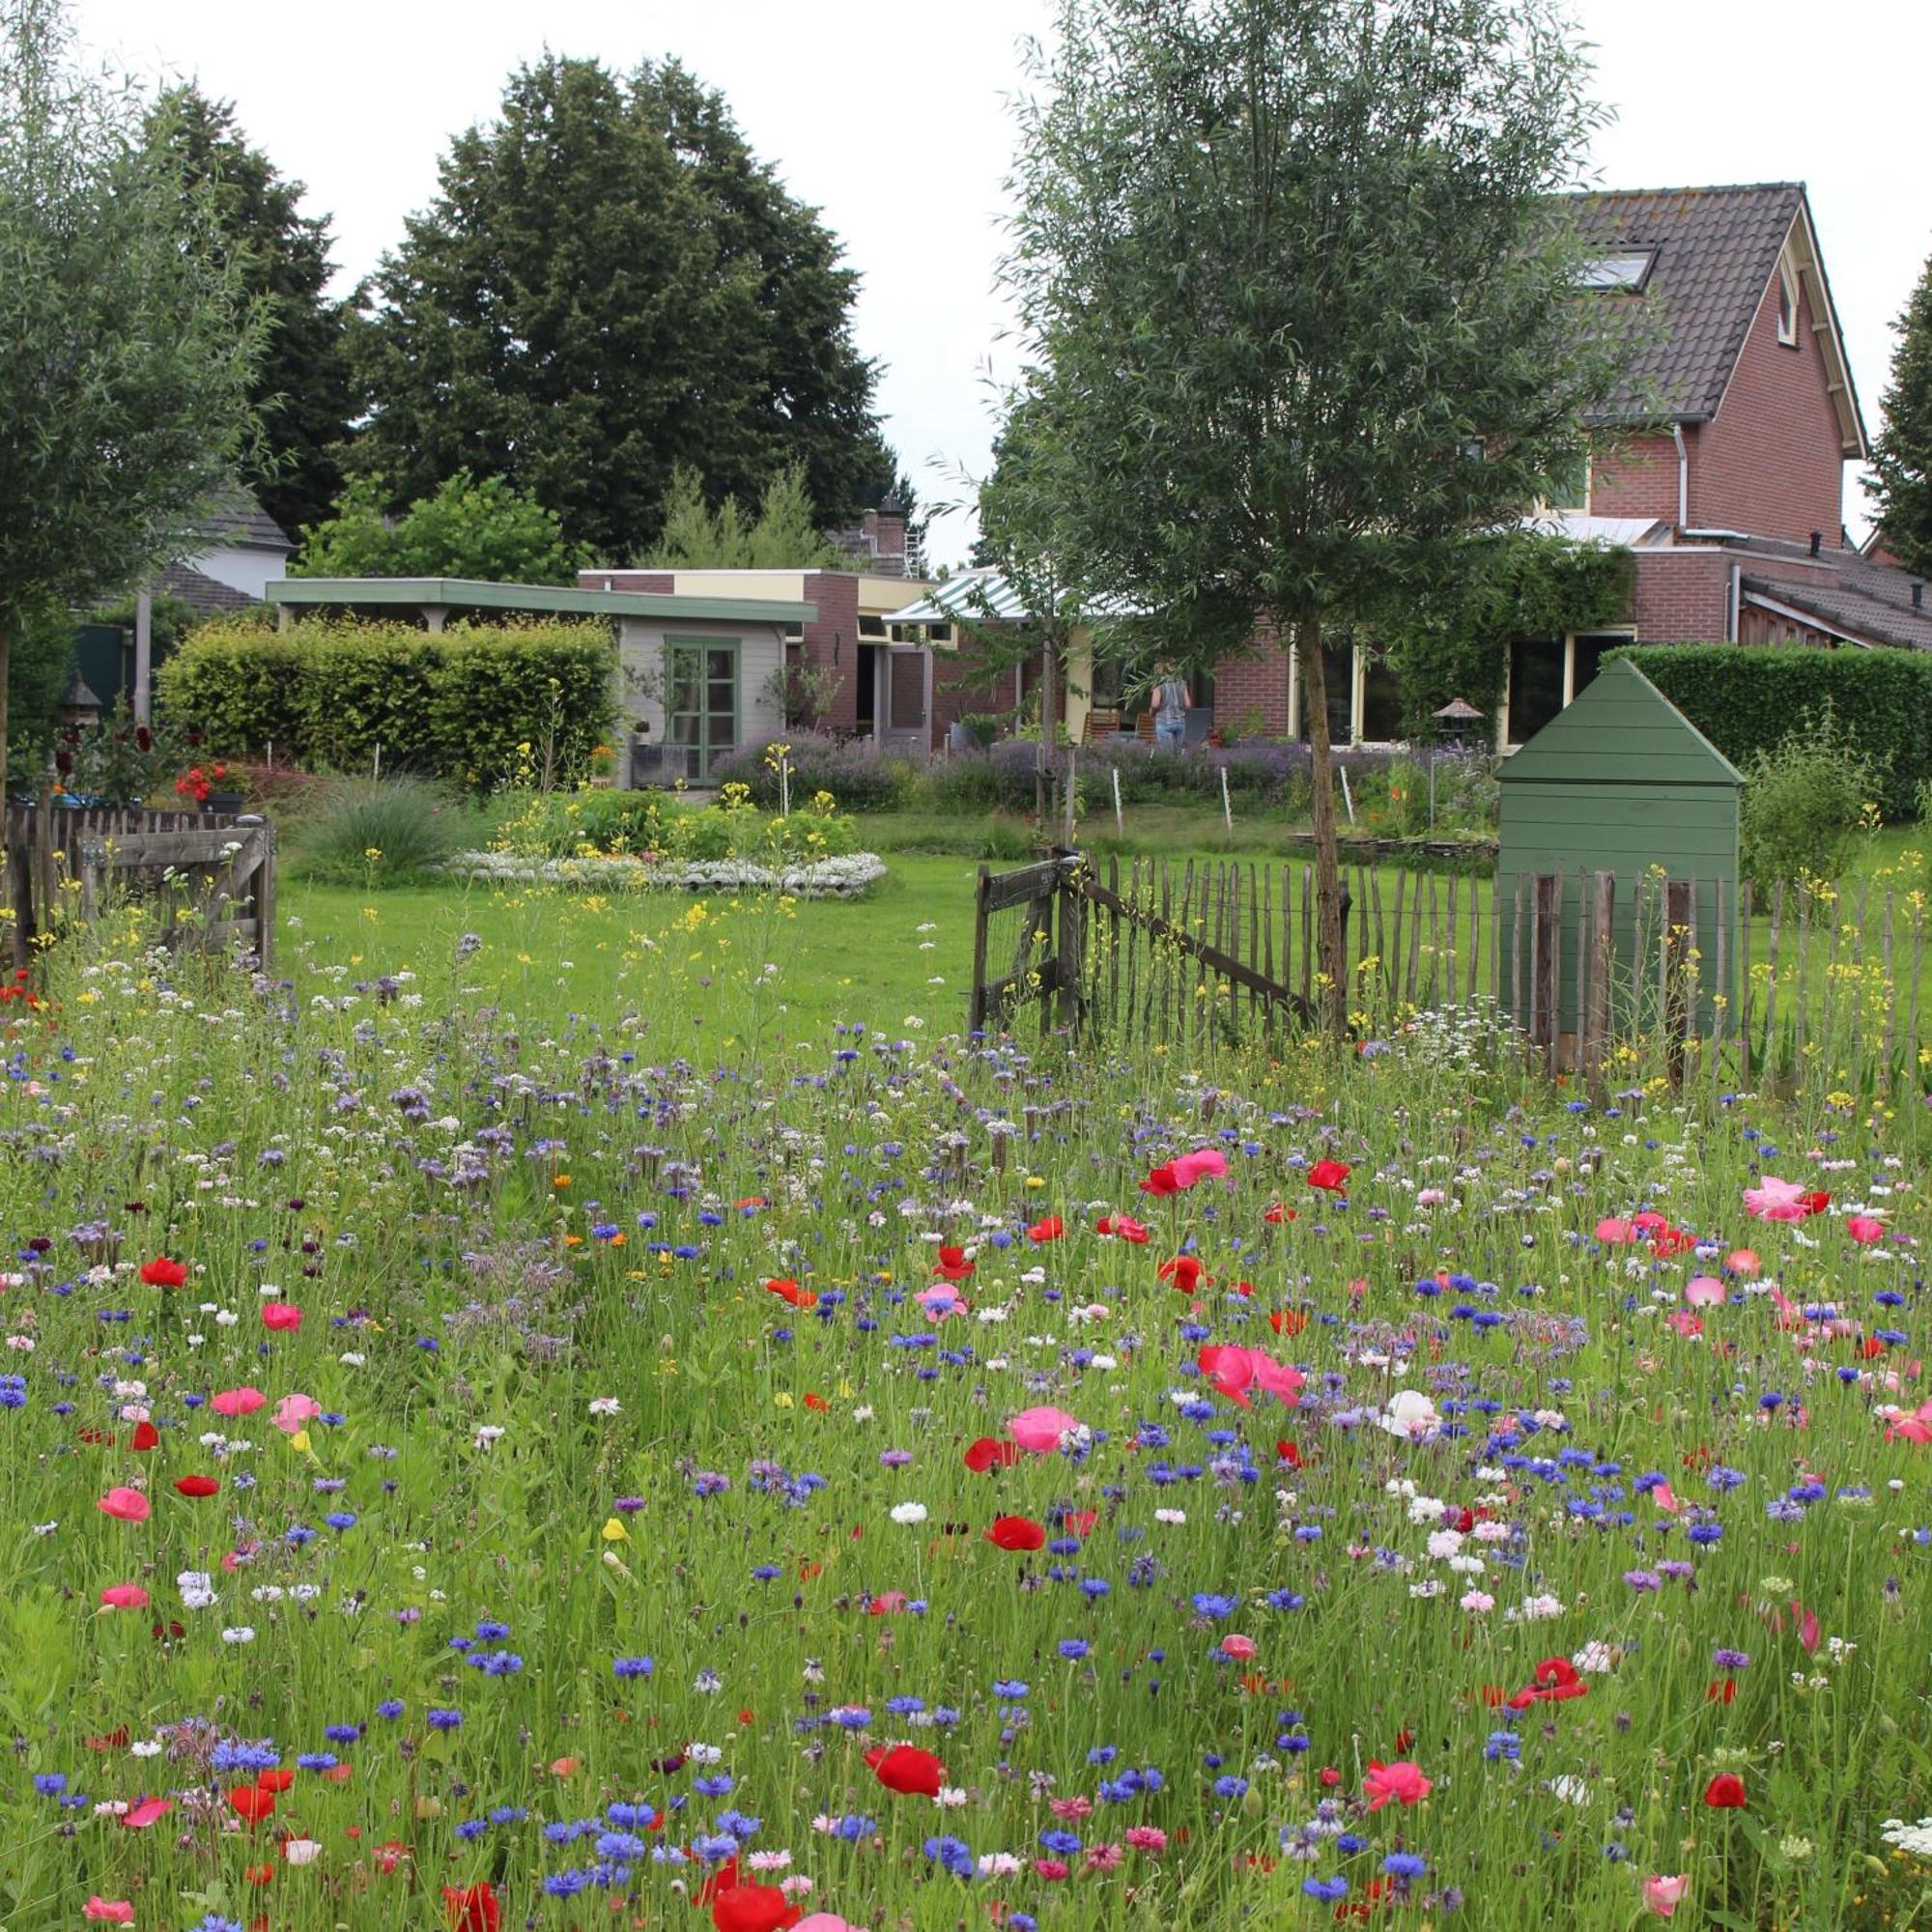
(1333, 1001)
(1044, 795)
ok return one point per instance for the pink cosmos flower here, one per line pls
(124, 1596)
(293, 1412)
(108, 1911)
(1864, 1229)
(1038, 1429)
(1704, 1290)
(126, 1505)
(231, 1403)
(1662, 1895)
(1401, 1781)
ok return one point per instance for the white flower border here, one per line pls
(826, 879)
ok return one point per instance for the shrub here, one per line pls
(387, 833)
(617, 824)
(1804, 804)
(472, 703)
(852, 774)
(1745, 700)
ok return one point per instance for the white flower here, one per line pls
(1170, 1516)
(1477, 1602)
(146, 1748)
(301, 1851)
(604, 1404)
(1410, 1414)
(489, 1433)
(908, 1513)
(951, 1797)
(238, 1634)
(1572, 1790)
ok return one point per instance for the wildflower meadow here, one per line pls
(479, 1463)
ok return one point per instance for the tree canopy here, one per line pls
(610, 285)
(783, 533)
(1902, 454)
(129, 340)
(487, 531)
(1301, 306)
(301, 390)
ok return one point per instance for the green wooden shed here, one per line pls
(1619, 781)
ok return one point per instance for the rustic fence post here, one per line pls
(1546, 965)
(1596, 1024)
(1067, 969)
(1680, 1007)
(976, 1009)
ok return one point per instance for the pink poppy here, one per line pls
(124, 1596)
(1914, 1426)
(124, 1505)
(824, 1922)
(1743, 1261)
(293, 1412)
(282, 1315)
(231, 1403)
(1687, 1324)
(1774, 1200)
(149, 1811)
(1211, 1163)
(1239, 1648)
(1663, 1895)
(1278, 1378)
(1122, 1227)
(1704, 1290)
(1039, 1430)
(1614, 1233)
(887, 1603)
(108, 1911)
(1231, 1369)
(1661, 1497)
(1401, 1781)
(1864, 1229)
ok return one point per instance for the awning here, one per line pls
(985, 596)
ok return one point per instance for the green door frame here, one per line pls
(707, 739)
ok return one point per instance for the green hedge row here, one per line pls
(461, 703)
(1747, 698)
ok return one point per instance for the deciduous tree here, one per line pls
(1902, 455)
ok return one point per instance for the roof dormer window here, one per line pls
(1787, 305)
(1625, 272)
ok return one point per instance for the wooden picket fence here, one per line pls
(66, 864)
(1677, 974)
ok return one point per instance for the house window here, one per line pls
(1787, 305)
(1626, 271)
(1381, 700)
(871, 627)
(939, 634)
(1536, 669)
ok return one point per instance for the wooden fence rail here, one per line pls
(1597, 975)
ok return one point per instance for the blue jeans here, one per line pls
(1170, 736)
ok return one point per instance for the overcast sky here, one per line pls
(894, 121)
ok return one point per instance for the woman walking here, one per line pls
(1171, 705)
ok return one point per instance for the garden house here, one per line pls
(1619, 783)
(695, 676)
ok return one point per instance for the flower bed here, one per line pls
(843, 877)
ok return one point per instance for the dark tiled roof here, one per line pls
(1842, 589)
(1716, 250)
(201, 593)
(240, 523)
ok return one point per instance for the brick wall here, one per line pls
(1256, 681)
(832, 641)
(652, 583)
(1681, 596)
(1769, 461)
(1638, 479)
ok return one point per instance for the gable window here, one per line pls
(1787, 305)
(1626, 271)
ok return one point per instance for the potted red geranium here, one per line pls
(212, 786)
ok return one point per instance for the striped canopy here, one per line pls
(986, 596)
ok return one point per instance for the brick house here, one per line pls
(1732, 511)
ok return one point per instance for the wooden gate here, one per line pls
(220, 870)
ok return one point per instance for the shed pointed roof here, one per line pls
(1621, 729)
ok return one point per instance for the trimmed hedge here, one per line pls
(1747, 699)
(455, 704)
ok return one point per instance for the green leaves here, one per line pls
(488, 532)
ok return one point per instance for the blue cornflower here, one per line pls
(633, 1667)
(444, 1720)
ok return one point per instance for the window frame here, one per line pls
(1788, 296)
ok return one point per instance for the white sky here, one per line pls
(892, 119)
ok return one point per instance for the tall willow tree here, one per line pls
(1294, 281)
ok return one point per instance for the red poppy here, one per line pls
(952, 1264)
(114, 1740)
(1555, 1679)
(1185, 1271)
(471, 1909)
(1668, 1241)
(907, 1770)
(1721, 1690)
(1285, 1452)
(161, 1272)
(816, 1401)
(1277, 1214)
(1726, 1792)
(282, 1315)
(720, 1880)
(252, 1803)
(989, 1453)
(145, 1436)
(97, 1439)
(260, 1874)
(274, 1781)
(1049, 1228)
(1287, 1321)
(1814, 1202)
(753, 1908)
(1161, 1180)
(1122, 1227)
(197, 1485)
(787, 1289)
(1330, 1176)
(1016, 1532)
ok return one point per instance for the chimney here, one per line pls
(1817, 541)
(887, 527)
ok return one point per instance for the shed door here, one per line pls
(703, 700)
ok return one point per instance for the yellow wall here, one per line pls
(787, 587)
